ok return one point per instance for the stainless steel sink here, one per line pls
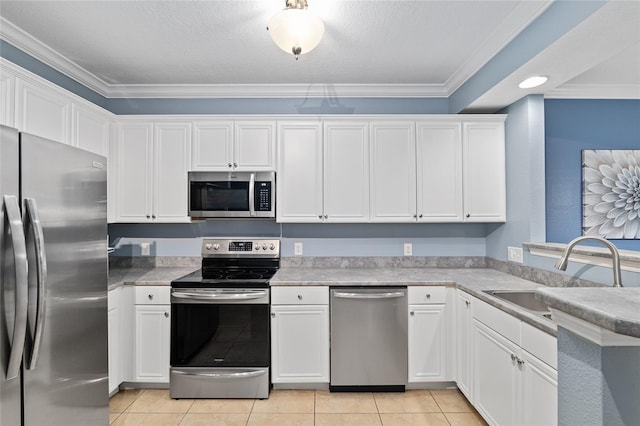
(523, 298)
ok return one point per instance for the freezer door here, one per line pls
(13, 270)
(66, 373)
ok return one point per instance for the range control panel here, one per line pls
(235, 247)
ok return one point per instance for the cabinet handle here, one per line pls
(299, 297)
(166, 314)
(151, 297)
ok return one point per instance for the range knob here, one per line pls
(208, 246)
(257, 246)
(272, 246)
(264, 246)
(216, 246)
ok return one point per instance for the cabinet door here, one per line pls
(484, 172)
(7, 98)
(113, 321)
(539, 383)
(152, 343)
(439, 172)
(172, 150)
(427, 343)
(42, 111)
(299, 183)
(212, 146)
(90, 129)
(300, 344)
(346, 172)
(495, 376)
(393, 172)
(255, 145)
(463, 343)
(134, 172)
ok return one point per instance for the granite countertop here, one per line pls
(614, 309)
(472, 280)
(162, 275)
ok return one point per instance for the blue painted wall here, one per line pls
(570, 127)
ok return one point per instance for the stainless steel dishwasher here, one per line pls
(368, 339)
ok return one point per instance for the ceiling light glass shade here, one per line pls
(535, 81)
(296, 30)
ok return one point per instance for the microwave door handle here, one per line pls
(21, 285)
(252, 194)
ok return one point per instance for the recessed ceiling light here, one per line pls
(535, 81)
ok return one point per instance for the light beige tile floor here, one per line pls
(296, 408)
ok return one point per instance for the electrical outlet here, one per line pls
(297, 249)
(145, 249)
(514, 254)
(408, 249)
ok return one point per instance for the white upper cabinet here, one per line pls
(484, 171)
(346, 171)
(43, 111)
(7, 97)
(439, 171)
(299, 180)
(393, 172)
(228, 145)
(90, 129)
(152, 162)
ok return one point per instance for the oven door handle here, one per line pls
(238, 375)
(218, 296)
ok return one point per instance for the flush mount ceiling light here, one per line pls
(535, 81)
(294, 29)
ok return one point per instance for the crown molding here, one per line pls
(42, 52)
(594, 91)
(519, 19)
(277, 91)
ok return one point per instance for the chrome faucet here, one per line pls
(615, 257)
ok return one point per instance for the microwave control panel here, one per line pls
(263, 196)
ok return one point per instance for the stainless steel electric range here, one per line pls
(220, 331)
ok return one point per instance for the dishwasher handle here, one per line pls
(357, 295)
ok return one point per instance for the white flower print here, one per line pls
(611, 193)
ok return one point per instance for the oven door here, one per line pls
(219, 343)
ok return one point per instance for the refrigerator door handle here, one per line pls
(32, 220)
(21, 273)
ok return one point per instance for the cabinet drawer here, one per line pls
(498, 320)
(419, 295)
(300, 295)
(152, 295)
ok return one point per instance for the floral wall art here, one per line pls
(611, 193)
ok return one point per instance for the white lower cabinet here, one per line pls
(115, 351)
(464, 322)
(300, 335)
(510, 385)
(152, 334)
(427, 334)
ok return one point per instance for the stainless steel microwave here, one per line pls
(232, 194)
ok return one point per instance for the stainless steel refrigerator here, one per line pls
(53, 288)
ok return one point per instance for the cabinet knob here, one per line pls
(468, 215)
(273, 314)
(235, 164)
(229, 164)
(148, 217)
(467, 303)
(412, 313)
(166, 314)
(428, 296)
(415, 216)
(151, 297)
(420, 216)
(326, 216)
(299, 297)
(320, 217)
(513, 357)
(153, 216)
(520, 362)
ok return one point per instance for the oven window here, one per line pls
(217, 335)
(219, 196)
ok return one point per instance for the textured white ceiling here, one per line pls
(436, 44)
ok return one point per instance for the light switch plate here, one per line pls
(514, 254)
(297, 249)
(408, 249)
(145, 249)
